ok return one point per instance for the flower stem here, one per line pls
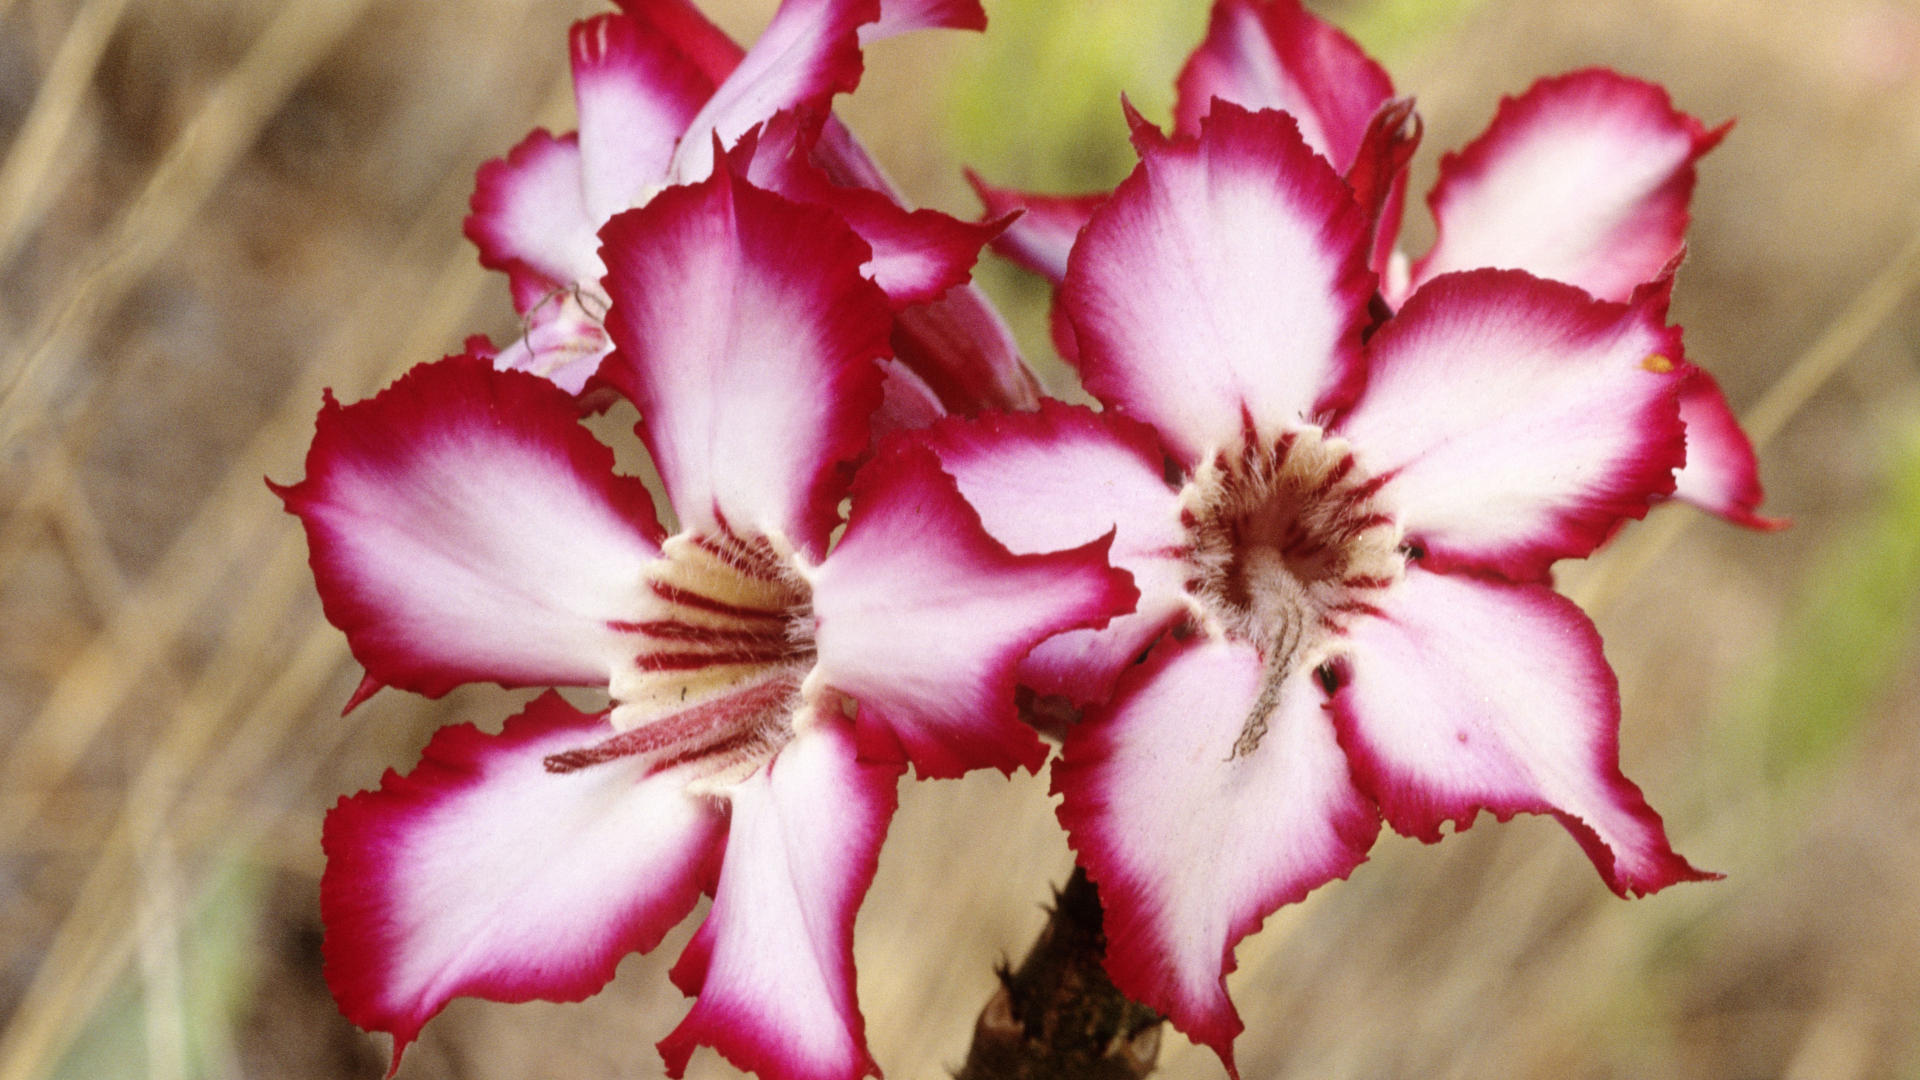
(1058, 1017)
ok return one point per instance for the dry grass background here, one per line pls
(210, 209)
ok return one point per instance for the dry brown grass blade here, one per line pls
(97, 939)
(30, 162)
(1811, 370)
(299, 38)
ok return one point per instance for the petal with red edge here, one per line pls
(1064, 477)
(773, 962)
(635, 94)
(692, 34)
(1722, 475)
(917, 254)
(921, 618)
(1043, 235)
(1277, 55)
(530, 215)
(1466, 694)
(483, 874)
(1519, 421)
(905, 402)
(465, 527)
(964, 352)
(806, 55)
(752, 368)
(900, 16)
(564, 341)
(1585, 179)
(1225, 279)
(1193, 845)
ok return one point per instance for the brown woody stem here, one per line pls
(1058, 1017)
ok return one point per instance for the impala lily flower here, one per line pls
(655, 87)
(1341, 591)
(1585, 179)
(771, 677)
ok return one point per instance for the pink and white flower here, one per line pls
(1585, 179)
(773, 669)
(656, 87)
(1343, 588)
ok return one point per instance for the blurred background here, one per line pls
(211, 209)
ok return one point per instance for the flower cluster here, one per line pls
(1293, 576)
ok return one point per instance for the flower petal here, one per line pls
(636, 94)
(1043, 235)
(922, 618)
(1722, 475)
(1520, 421)
(746, 336)
(1225, 279)
(465, 527)
(1094, 475)
(1193, 844)
(905, 402)
(964, 352)
(1467, 694)
(806, 55)
(917, 254)
(564, 342)
(483, 874)
(693, 35)
(1583, 179)
(1277, 55)
(530, 216)
(900, 16)
(773, 962)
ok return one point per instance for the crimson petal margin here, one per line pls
(1226, 279)
(464, 527)
(1518, 421)
(530, 216)
(917, 254)
(1042, 237)
(635, 94)
(773, 962)
(1276, 55)
(1469, 694)
(922, 618)
(806, 55)
(1093, 474)
(482, 874)
(1584, 179)
(1722, 474)
(1192, 846)
(753, 368)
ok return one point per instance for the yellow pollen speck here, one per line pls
(1657, 364)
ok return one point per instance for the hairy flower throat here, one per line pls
(721, 659)
(1288, 543)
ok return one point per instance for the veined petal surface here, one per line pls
(483, 874)
(1469, 694)
(465, 527)
(1192, 845)
(1584, 179)
(922, 617)
(753, 369)
(1062, 477)
(773, 962)
(635, 95)
(1274, 54)
(1518, 421)
(1722, 474)
(1226, 279)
